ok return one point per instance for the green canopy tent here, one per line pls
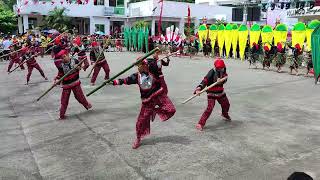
(315, 41)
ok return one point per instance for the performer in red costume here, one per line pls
(29, 55)
(70, 83)
(161, 63)
(55, 51)
(214, 93)
(14, 58)
(80, 50)
(95, 53)
(152, 95)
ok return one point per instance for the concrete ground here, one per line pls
(274, 132)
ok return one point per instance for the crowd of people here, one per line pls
(294, 56)
(69, 57)
(43, 43)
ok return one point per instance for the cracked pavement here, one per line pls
(274, 132)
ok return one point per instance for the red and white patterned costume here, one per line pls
(154, 99)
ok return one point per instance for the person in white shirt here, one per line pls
(6, 44)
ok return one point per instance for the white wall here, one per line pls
(281, 14)
(73, 10)
(179, 10)
(143, 8)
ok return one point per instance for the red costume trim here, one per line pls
(153, 95)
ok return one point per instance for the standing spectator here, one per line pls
(6, 44)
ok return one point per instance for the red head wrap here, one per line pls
(219, 64)
(62, 53)
(279, 47)
(94, 44)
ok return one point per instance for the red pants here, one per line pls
(86, 62)
(30, 68)
(223, 101)
(165, 111)
(12, 61)
(78, 94)
(163, 84)
(58, 63)
(96, 71)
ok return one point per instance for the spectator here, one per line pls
(6, 44)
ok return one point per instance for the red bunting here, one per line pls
(61, 2)
(52, 2)
(18, 11)
(26, 2)
(44, 2)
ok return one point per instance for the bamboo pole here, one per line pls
(61, 79)
(170, 54)
(205, 89)
(21, 48)
(28, 59)
(123, 71)
(95, 64)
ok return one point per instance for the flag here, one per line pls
(189, 17)
(160, 18)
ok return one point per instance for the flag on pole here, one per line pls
(160, 18)
(189, 20)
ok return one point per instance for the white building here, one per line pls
(104, 15)
(87, 17)
(175, 13)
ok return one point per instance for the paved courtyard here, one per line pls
(275, 128)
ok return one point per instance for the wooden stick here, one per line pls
(204, 90)
(123, 71)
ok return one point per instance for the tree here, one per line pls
(58, 20)
(8, 20)
(140, 24)
(8, 4)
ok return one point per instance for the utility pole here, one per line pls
(245, 12)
